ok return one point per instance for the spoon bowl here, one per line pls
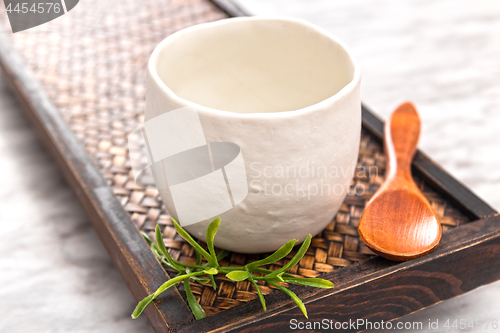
(398, 223)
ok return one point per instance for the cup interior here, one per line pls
(254, 65)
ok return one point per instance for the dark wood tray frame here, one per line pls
(377, 289)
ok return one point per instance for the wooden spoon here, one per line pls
(398, 222)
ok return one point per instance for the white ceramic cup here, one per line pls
(287, 94)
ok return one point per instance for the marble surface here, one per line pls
(444, 55)
(55, 275)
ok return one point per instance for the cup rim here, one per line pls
(348, 88)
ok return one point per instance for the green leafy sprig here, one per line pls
(205, 273)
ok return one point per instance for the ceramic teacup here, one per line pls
(255, 120)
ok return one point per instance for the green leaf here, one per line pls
(211, 271)
(198, 258)
(293, 296)
(212, 280)
(274, 278)
(238, 275)
(146, 237)
(167, 285)
(159, 256)
(278, 255)
(193, 304)
(267, 271)
(163, 250)
(311, 282)
(259, 292)
(197, 247)
(142, 305)
(159, 241)
(295, 260)
(222, 254)
(156, 251)
(211, 231)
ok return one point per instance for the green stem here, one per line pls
(228, 269)
(225, 270)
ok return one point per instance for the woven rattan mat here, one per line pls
(92, 63)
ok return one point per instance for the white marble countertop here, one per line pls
(55, 275)
(443, 55)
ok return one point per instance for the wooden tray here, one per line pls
(81, 82)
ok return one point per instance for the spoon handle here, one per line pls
(401, 135)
